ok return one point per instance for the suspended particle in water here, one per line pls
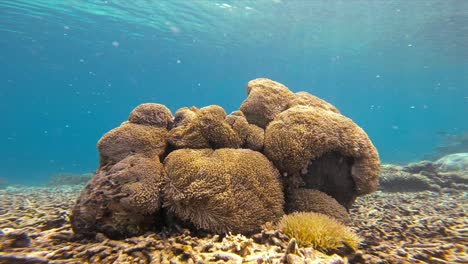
(377, 76)
(67, 126)
(410, 45)
(179, 61)
(66, 27)
(174, 29)
(412, 107)
(115, 44)
(395, 127)
(81, 60)
(248, 8)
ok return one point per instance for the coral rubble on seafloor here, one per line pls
(396, 227)
(223, 173)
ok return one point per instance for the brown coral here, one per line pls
(299, 136)
(224, 190)
(266, 99)
(129, 139)
(252, 136)
(308, 200)
(202, 128)
(121, 199)
(212, 183)
(151, 114)
(306, 99)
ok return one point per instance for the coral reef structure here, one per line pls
(321, 149)
(207, 170)
(156, 115)
(223, 190)
(266, 99)
(129, 139)
(203, 128)
(252, 136)
(395, 179)
(121, 199)
(446, 174)
(449, 144)
(453, 162)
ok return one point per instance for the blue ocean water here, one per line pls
(72, 70)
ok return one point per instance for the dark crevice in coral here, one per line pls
(168, 151)
(331, 174)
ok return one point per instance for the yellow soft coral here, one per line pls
(319, 231)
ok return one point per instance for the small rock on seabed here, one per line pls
(411, 227)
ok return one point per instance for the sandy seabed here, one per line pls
(396, 227)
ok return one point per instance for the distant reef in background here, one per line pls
(449, 144)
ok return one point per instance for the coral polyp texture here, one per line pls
(223, 190)
(227, 173)
(310, 200)
(121, 199)
(324, 150)
(203, 128)
(319, 231)
(157, 115)
(129, 139)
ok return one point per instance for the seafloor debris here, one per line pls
(419, 227)
(226, 173)
(413, 227)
